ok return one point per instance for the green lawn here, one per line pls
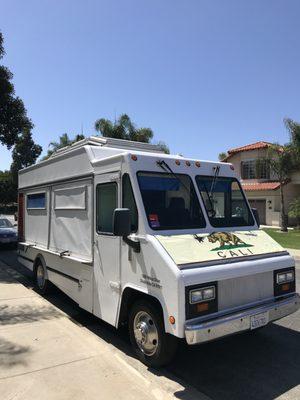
(290, 240)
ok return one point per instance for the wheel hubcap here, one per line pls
(40, 276)
(145, 333)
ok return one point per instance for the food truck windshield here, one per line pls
(224, 201)
(170, 201)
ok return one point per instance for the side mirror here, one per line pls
(122, 227)
(256, 216)
(121, 222)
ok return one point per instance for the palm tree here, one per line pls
(64, 140)
(222, 156)
(123, 128)
(283, 161)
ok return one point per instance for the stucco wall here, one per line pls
(272, 197)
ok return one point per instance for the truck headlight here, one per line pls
(284, 277)
(202, 294)
(284, 281)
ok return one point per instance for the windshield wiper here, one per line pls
(211, 210)
(163, 165)
(213, 184)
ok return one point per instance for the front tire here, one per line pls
(153, 346)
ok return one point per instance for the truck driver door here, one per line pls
(106, 248)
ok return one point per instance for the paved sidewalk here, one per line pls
(44, 355)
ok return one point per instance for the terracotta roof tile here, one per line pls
(251, 146)
(260, 186)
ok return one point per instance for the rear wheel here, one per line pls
(153, 346)
(41, 280)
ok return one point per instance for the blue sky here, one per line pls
(204, 75)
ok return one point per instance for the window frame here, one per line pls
(122, 199)
(36, 208)
(96, 222)
(196, 196)
(233, 179)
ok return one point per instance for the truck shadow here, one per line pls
(257, 365)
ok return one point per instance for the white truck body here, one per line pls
(60, 228)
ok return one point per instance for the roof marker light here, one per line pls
(177, 162)
(197, 163)
(134, 157)
(232, 167)
(187, 163)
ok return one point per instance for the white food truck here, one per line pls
(163, 243)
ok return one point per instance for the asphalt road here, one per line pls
(263, 364)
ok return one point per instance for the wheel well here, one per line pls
(129, 297)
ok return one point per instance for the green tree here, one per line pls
(64, 141)
(294, 211)
(222, 156)
(15, 132)
(13, 116)
(163, 147)
(293, 128)
(283, 161)
(24, 154)
(123, 128)
(7, 188)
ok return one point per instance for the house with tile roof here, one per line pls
(261, 187)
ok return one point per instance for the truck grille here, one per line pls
(243, 290)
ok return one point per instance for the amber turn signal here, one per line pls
(202, 307)
(285, 287)
(171, 320)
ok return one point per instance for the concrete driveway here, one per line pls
(54, 350)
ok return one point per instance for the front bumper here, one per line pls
(206, 330)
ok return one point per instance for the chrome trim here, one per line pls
(198, 331)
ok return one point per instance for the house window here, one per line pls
(255, 169)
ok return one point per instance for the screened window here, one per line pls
(128, 201)
(71, 198)
(36, 201)
(224, 201)
(255, 169)
(106, 203)
(170, 201)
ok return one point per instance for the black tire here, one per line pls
(166, 344)
(46, 286)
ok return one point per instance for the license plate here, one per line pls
(5, 240)
(258, 320)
